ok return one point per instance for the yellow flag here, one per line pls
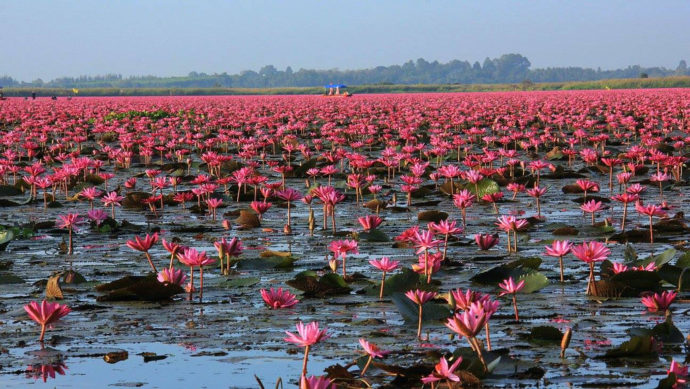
(75, 90)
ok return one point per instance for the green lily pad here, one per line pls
(431, 311)
(516, 269)
(484, 187)
(239, 282)
(9, 190)
(9, 278)
(374, 235)
(328, 284)
(637, 346)
(6, 237)
(406, 280)
(534, 281)
(546, 335)
(268, 262)
(684, 260)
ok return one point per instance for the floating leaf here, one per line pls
(9, 190)
(515, 269)
(629, 254)
(684, 260)
(328, 284)
(546, 335)
(9, 278)
(637, 346)
(5, 237)
(239, 282)
(672, 274)
(137, 288)
(401, 283)
(533, 282)
(268, 262)
(431, 311)
(484, 187)
(432, 216)
(374, 235)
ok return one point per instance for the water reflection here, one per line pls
(45, 371)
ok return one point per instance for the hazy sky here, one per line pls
(52, 38)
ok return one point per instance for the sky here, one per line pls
(54, 38)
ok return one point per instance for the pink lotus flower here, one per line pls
(559, 249)
(278, 299)
(69, 222)
(592, 207)
(625, 198)
(420, 298)
(112, 200)
(144, 245)
(97, 216)
(385, 265)
(464, 200)
(45, 314)
(463, 300)
(172, 276)
(289, 195)
(314, 382)
(193, 258)
(537, 193)
(651, 211)
(486, 241)
(373, 351)
(510, 287)
(659, 302)
(468, 324)
(590, 252)
(509, 223)
(680, 372)
(213, 204)
(443, 372)
(369, 222)
(445, 228)
(260, 207)
(341, 248)
(307, 336)
(228, 250)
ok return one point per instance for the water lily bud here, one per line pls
(287, 229)
(333, 263)
(565, 341)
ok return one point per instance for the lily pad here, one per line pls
(6, 237)
(637, 346)
(484, 187)
(374, 235)
(406, 280)
(137, 288)
(432, 216)
(312, 285)
(516, 269)
(431, 311)
(9, 278)
(546, 335)
(533, 282)
(268, 262)
(239, 282)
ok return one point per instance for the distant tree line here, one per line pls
(508, 68)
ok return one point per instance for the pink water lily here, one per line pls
(386, 266)
(559, 249)
(45, 314)
(307, 336)
(509, 286)
(278, 298)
